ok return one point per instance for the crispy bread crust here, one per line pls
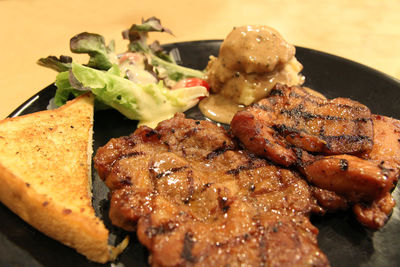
(45, 159)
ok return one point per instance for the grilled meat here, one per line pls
(329, 200)
(194, 198)
(290, 116)
(386, 149)
(352, 177)
(337, 144)
(367, 180)
(375, 215)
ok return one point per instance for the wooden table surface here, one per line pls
(366, 31)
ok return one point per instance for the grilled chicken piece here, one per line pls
(290, 116)
(195, 199)
(337, 144)
(357, 179)
(385, 153)
(329, 200)
(366, 180)
(386, 147)
(375, 214)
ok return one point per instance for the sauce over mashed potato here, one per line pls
(252, 59)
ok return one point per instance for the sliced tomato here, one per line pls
(132, 57)
(191, 82)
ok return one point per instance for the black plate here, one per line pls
(341, 238)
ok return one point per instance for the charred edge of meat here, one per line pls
(165, 228)
(358, 107)
(297, 112)
(188, 244)
(170, 171)
(345, 138)
(309, 98)
(151, 133)
(277, 90)
(325, 102)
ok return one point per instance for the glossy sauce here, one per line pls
(256, 49)
(252, 59)
(219, 108)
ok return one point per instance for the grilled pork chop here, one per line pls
(334, 143)
(194, 198)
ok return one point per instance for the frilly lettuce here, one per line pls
(109, 81)
(137, 35)
(148, 103)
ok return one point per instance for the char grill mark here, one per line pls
(260, 106)
(188, 244)
(151, 133)
(337, 144)
(212, 204)
(348, 138)
(297, 118)
(298, 113)
(130, 155)
(276, 92)
(220, 150)
(191, 187)
(240, 168)
(169, 172)
(165, 228)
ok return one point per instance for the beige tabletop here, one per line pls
(366, 31)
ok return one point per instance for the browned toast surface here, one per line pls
(45, 163)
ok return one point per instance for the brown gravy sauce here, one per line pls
(219, 108)
(252, 59)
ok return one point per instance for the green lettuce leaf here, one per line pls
(148, 103)
(63, 63)
(137, 35)
(94, 45)
(64, 89)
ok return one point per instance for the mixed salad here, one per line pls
(144, 83)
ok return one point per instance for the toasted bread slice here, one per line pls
(45, 175)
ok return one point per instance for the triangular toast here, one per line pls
(45, 175)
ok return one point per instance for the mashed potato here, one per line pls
(252, 59)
